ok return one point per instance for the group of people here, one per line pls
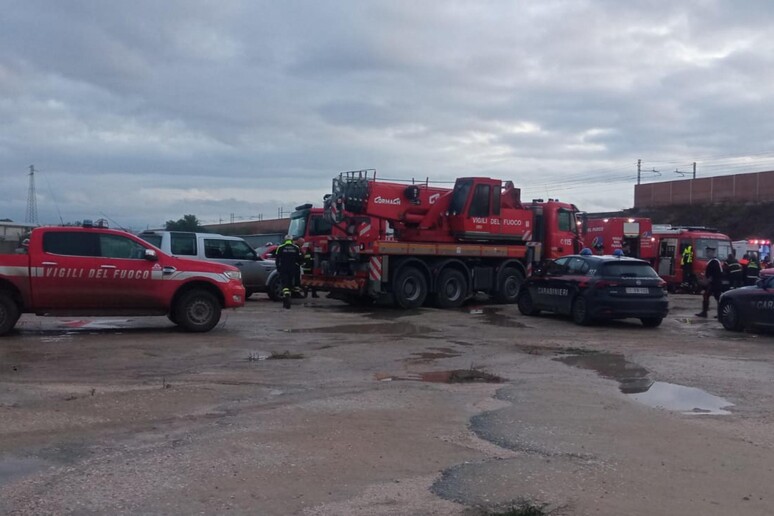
(291, 259)
(731, 273)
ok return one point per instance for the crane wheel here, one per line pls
(410, 288)
(451, 289)
(508, 290)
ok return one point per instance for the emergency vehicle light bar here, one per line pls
(101, 223)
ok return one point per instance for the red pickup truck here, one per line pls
(98, 271)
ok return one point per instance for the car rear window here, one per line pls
(627, 270)
(183, 244)
(152, 239)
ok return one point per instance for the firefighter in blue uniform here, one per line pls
(288, 260)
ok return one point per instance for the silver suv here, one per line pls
(258, 275)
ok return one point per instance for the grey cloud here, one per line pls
(280, 96)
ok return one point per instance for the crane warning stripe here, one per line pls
(344, 284)
(375, 268)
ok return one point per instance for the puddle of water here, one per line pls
(382, 328)
(460, 376)
(688, 400)
(444, 350)
(12, 468)
(453, 376)
(634, 380)
(433, 355)
(384, 313)
(494, 317)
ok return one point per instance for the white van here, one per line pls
(258, 275)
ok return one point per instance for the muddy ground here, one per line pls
(355, 414)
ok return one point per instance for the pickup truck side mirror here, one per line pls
(151, 255)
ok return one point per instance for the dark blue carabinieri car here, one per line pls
(751, 306)
(590, 288)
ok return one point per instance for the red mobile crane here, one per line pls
(417, 242)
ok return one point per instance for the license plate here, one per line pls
(636, 290)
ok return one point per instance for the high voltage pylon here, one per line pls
(32, 200)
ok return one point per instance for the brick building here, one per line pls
(756, 187)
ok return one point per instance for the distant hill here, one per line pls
(739, 221)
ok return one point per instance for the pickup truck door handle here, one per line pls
(168, 270)
(49, 264)
(107, 266)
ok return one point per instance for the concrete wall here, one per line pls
(754, 187)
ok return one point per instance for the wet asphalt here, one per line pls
(382, 411)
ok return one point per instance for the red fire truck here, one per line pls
(671, 241)
(416, 242)
(634, 236)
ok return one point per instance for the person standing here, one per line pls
(288, 262)
(714, 281)
(735, 273)
(753, 271)
(686, 262)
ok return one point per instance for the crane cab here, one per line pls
(484, 209)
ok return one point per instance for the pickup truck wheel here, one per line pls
(410, 288)
(510, 283)
(9, 313)
(274, 289)
(452, 288)
(197, 311)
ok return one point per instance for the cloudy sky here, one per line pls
(143, 111)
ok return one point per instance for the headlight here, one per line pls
(233, 275)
